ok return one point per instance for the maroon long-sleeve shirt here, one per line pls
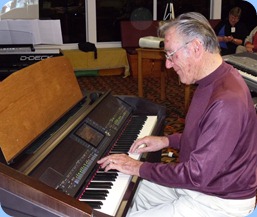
(218, 147)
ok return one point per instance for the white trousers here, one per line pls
(154, 200)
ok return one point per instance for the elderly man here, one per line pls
(216, 175)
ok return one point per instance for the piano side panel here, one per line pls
(42, 197)
(22, 208)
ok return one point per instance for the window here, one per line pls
(97, 21)
(182, 6)
(71, 13)
(105, 29)
(109, 13)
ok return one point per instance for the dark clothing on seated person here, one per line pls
(225, 29)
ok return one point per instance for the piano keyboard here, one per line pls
(250, 80)
(107, 190)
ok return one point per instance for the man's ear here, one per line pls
(197, 48)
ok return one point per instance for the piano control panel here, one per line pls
(76, 175)
(83, 146)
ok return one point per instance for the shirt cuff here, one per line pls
(174, 140)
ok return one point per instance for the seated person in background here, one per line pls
(232, 32)
(250, 44)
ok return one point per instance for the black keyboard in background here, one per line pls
(246, 62)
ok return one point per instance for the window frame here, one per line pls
(215, 13)
(91, 24)
(91, 30)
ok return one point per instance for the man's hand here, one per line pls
(249, 47)
(122, 163)
(149, 144)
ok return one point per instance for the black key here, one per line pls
(105, 185)
(94, 204)
(105, 177)
(95, 194)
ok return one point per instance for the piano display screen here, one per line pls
(89, 135)
(115, 113)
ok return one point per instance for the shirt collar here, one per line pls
(217, 73)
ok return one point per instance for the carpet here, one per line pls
(174, 101)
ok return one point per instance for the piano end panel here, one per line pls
(37, 196)
(96, 213)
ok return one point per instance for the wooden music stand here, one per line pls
(32, 99)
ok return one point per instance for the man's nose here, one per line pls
(169, 64)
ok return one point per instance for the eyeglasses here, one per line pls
(233, 17)
(170, 55)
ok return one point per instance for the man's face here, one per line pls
(233, 20)
(178, 57)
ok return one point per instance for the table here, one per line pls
(107, 58)
(156, 54)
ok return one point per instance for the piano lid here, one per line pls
(32, 99)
